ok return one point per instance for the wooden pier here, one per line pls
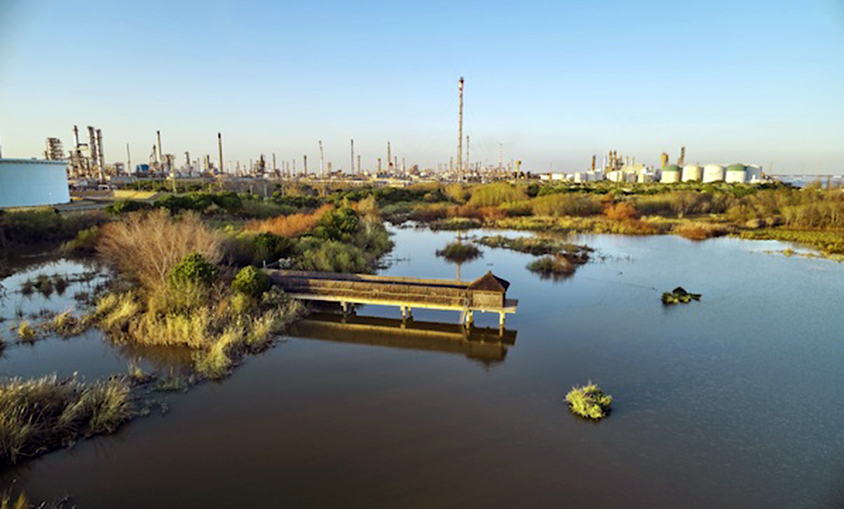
(487, 294)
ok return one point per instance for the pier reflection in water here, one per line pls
(484, 344)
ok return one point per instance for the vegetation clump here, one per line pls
(43, 414)
(194, 269)
(679, 296)
(26, 332)
(589, 401)
(458, 252)
(552, 266)
(251, 281)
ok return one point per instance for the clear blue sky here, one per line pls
(555, 82)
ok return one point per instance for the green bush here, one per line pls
(251, 281)
(492, 195)
(589, 402)
(457, 252)
(85, 242)
(331, 256)
(339, 224)
(125, 206)
(193, 269)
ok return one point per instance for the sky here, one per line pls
(547, 82)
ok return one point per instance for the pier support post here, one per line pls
(470, 318)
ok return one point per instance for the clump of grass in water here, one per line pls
(552, 266)
(458, 252)
(26, 332)
(66, 324)
(43, 414)
(589, 401)
(679, 296)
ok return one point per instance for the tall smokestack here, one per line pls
(321, 160)
(359, 172)
(389, 158)
(305, 171)
(128, 161)
(460, 133)
(220, 149)
(160, 154)
(100, 152)
(352, 167)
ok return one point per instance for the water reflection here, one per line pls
(487, 345)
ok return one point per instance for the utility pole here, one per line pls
(321, 160)
(220, 148)
(460, 134)
(352, 167)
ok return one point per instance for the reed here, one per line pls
(589, 401)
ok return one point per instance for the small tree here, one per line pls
(251, 281)
(193, 269)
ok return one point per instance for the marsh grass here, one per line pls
(43, 414)
(458, 252)
(589, 401)
(552, 266)
(26, 332)
(699, 230)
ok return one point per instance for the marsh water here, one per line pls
(733, 401)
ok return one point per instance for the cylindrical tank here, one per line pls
(753, 173)
(645, 177)
(713, 173)
(692, 173)
(31, 182)
(670, 174)
(736, 174)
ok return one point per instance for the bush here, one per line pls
(125, 206)
(289, 226)
(194, 269)
(589, 402)
(552, 266)
(621, 212)
(251, 281)
(340, 224)
(146, 246)
(331, 256)
(557, 205)
(84, 244)
(457, 252)
(492, 195)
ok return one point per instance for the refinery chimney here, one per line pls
(220, 149)
(460, 133)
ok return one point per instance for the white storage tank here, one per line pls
(713, 173)
(754, 173)
(645, 177)
(692, 173)
(736, 174)
(32, 182)
(670, 174)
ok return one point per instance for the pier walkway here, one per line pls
(487, 294)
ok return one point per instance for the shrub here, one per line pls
(194, 269)
(289, 226)
(331, 256)
(557, 205)
(125, 206)
(146, 246)
(492, 195)
(85, 242)
(339, 224)
(26, 333)
(551, 266)
(700, 231)
(457, 252)
(621, 212)
(251, 281)
(589, 401)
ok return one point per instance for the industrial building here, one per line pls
(32, 182)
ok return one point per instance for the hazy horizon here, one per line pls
(553, 82)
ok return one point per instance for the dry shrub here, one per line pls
(570, 204)
(492, 213)
(467, 211)
(639, 227)
(700, 231)
(290, 225)
(429, 213)
(145, 246)
(621, 211)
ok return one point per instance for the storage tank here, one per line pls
(670, 174)
(32, 182)
(736, 174)
(754, 173)
(713, 173)
(692, 173)
(645, 177)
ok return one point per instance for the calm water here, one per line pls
(733, 401)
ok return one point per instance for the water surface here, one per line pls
(728, 402)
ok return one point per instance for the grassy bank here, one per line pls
(40, 415)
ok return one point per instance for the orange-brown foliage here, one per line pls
(290, 225)
(145, 246)
(699, 231)
(621, 211)
(492, 213)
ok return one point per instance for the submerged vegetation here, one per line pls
(39, 415)
(589, 401)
